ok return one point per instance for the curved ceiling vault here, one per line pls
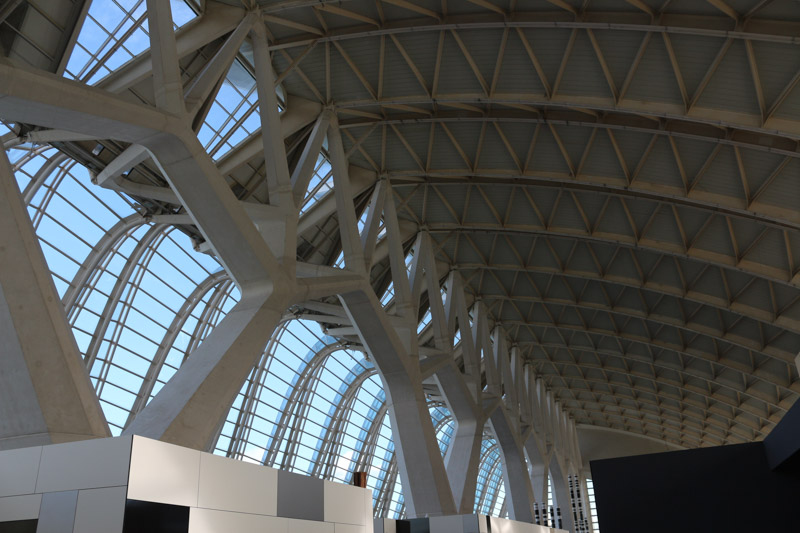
(618, 181)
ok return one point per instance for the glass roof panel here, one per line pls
(234, 115)
(114, 32)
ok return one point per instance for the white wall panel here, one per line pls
(86, 464)
(163, 473)
(345, 504)
(308, 526)
(348, 528)
(501, 525)
(368, 512)
(18, 470)
(212, 521)
(384, 525)
(237, 486)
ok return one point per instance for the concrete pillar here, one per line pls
(561, 494)
(587, 508)
(426, 488)
(463, 461)
(539, 469)
(539, 475)
(45, 393)
(519, 494)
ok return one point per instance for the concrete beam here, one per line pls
(45, 393)
(308, 157)
(167, 82)
(199, 89)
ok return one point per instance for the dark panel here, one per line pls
(19, 526)
(725, 488)
(155, 518)
(419, 525)
(783, 442)
(300, 497)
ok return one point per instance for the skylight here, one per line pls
(234, 115)
(114, 32)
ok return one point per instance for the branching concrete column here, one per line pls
(463, 461)
(188, 410)
(519, 494)
(45, 393)
(539, 473)
(536, 445)
(426, 489)
(461, 392)
(189, 407)
(505, 424)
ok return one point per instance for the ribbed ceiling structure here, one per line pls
(618, 181)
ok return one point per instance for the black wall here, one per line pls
(720, 489)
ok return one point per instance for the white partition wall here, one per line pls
(128, 484)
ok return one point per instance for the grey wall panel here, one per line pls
(100, 510)
(300, 497)
(18, 470)
(233, 485)
(20, 507)
(448, 524)
(57, 514)
(87, 464)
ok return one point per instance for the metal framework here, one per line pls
(531, 215)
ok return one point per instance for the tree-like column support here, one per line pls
(519, 494)
(426, 489)
(45, 393)
(463, 461)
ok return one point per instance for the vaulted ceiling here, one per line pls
(618, 181)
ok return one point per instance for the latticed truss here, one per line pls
(614, 184)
